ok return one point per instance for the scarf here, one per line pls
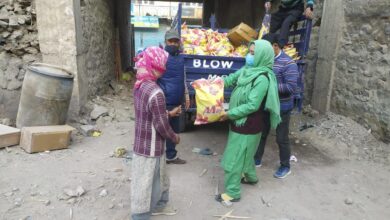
(150, 65)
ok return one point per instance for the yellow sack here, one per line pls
(209, 100)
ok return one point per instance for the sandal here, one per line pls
(244, 181)
(225, 198)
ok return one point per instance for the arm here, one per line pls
(231, 80)
(160, 117)
(290, 78)
(255, 98)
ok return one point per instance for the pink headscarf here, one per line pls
(151, 59)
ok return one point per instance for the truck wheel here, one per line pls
(186, 121)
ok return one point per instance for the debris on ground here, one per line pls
(203, 151)
(229, 216)
(103, 193)
(348, 201)
(119, 152)
(98, 111)
(87, 130)
(203, 173)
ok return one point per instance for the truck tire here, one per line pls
(185, 120)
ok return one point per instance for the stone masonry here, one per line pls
(19, 47)
(352, 71)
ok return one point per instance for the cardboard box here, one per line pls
(241, 34)
(44, 138)
(9, 136)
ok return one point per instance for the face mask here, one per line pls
(172, 49)
(250, 59)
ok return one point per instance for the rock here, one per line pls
(87, 130)
(21, 20)
(348, 201)
(31, 50)
(13, 21)
(3, 23)
(71, 201)
(27, 218)
(98, 111)
(18, 202)
(69, 193)
(9, 194)
(83, 121)
(14, 85)
(15, 189)
(103, 193)
(46, 202)
(111, 206)
(16, 34)
(80, 191)
(340, 125)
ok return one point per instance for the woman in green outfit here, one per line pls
(255, 91)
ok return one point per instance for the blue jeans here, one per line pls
(171, 151)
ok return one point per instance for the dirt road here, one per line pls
(329, 181)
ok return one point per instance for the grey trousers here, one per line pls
(149, 186)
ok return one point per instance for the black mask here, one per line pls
(172, 49)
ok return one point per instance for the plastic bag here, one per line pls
(209, 99)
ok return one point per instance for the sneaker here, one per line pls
(258, 163)
(167, 210)
(176, 161)
(282, 172)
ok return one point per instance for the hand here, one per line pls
(267, 6)
(224, 117)
(187, 102)
(177, 139)
(309, 13)
(175, 112)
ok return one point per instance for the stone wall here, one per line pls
(19, 47)
(98, 32)
(361, 87)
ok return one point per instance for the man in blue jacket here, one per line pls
(175, 89)
(286, 72)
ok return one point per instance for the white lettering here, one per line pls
(197, 63)
(227, 64)
(205, 65)
(214, 64)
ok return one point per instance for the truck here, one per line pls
(200, 66)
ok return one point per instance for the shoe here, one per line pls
(282, 172)
(176, 161)
(258, 163)
(244, 181)
(167, 210)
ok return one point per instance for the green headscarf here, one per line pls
(263, 63)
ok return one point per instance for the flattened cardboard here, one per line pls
(45, 138)
(9, 136)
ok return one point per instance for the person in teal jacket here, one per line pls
(255, 91)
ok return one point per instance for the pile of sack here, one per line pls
(208, 42)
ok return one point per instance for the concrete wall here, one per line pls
(353, 72)
(98, 33)
(18, 47)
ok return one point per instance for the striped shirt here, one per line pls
(151, 124)
(286, 72)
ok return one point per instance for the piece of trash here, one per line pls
(265, 202)
(70, 213)
(120, 152)
(305, 126)
(203, 173)
(202, 151)
(293, 158)
(229, 216)
(96, 133)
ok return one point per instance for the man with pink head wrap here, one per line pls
(150, 184)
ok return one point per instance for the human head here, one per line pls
(150, 64)
(263, 54)
(172, 38)
(274, 40)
